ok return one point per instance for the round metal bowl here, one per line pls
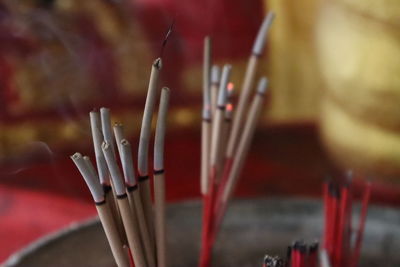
(251, 229)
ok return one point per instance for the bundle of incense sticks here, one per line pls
(225, 146)
(339, 248)
(134, 226)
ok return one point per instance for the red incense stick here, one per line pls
(361, 228)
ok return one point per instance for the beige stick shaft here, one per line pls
(137, 209)
(216, 134)
(226, 129)
(112, 203)
(237, 124)
(214, 96)
(205, 154)
(112, 235)
(244, 145)
(145, 194)
(132, 232)
(144, 230)
(143, 150)
(159, 206)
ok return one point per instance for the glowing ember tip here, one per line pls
(230, 86)
(229, 107)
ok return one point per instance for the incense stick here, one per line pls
(215, 152)
(159, 179)
(215, 76)
(246, 138)
(361, 227)
(209, 198)
(102, 167)
(97, 140)
(143, 150)
(134, 199)
(247, 85)
(130, 222)
(206, 123)
(106, 219)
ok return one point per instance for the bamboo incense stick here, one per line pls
(205, 149)
(132, 187)
(247, 85)
(106, 219)
(219, 118)
(215, 76)
(119, 135)
(206, 123)
(145, 132)
(130, 222)
(245, 140)
(207, 56)
(209, 197)
(102, 167)
(159, 179)
(361, 227)
(134, 199)
(226, 127)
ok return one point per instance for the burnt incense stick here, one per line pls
(229, 181)
(245, 139)
(134, 199)
(119, 135)
(215, 152)
(207, 57)
(226, 128)
(130, 222)
(159, 179)
(205, 149)
(86, 169)
(103, 173)
(206, 123)
(209, 197)
(90, 167)
(132, 187)
(143, 151)
(247, 85)
(215, 76)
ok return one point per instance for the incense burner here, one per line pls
(252, 228)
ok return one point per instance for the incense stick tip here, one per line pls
(76, 156)
(158, 63)
(262, 85)
(260, 41)
(125, 142)
(215, 74)
(104, 109)
(105, 145)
